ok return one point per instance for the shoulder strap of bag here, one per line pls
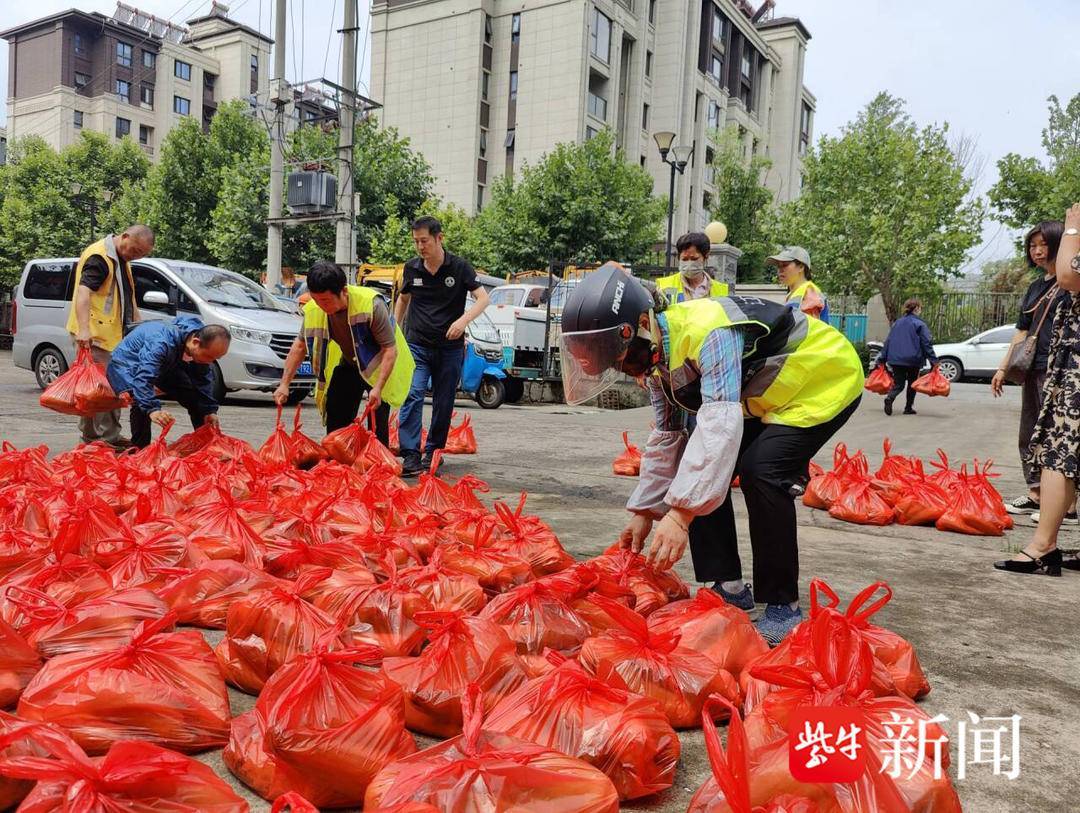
(1048, 300)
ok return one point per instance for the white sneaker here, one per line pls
(1070, 519)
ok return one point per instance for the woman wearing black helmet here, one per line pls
(769, 387)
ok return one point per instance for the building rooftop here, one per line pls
(782, 22)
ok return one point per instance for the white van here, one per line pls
(262, 328)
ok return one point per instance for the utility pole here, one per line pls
(345, 245)
(278, 95)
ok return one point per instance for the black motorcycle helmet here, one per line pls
(599, 325)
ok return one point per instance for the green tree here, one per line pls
(1029, 190)
(1009, 275)
(393, 242)
(581, 202)
(886, 207)
(743, 204)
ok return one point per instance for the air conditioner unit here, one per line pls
(312, 193)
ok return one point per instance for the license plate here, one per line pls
(304, 368)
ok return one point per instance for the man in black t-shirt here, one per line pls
(431, 305)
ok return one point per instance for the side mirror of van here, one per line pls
(156, 298)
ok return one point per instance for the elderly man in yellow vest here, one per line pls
(104, 309)
(355, 347)
(692, 281)
(769, 386)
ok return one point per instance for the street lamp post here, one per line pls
(90, 202)
(680, 157)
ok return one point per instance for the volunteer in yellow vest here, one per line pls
(692, 281)
(354, 346)
(793, 268)
(769, 386)
(103, 309)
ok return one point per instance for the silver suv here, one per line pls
(263, 329)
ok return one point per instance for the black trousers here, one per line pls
(176, 386)
(771, 458)
(903, 376)
(343, 396)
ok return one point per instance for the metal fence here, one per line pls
(7, 306)
(955, 316)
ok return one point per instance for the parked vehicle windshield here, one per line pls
(220, 287)
(484, 330)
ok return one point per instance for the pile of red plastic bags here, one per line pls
(959, 500)
(360, 610)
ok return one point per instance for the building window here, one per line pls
(706, 201)
(515, 29)
(597, 106)
(181, 105)
(746, 66)
(509, 143)
(690, 208)
(78, 118)
(600, 36)
(146, 134)
(716, 68)
(652, 12)
(513, 85)
(718, 21)
(254, 67)
(123, 127)
(648, 64)
(485, 85)
(479, 197)
(80, 45)
(488, 29)
(483, 143)
(209, 80)
(804, 129)
(710, 170)
(645, 117)
(123, 90)
(81, 80)
(146, 96)
(123, 54)
(591, 133)
(643, 161)
(181, 70)
(714, 115)
(149, 60)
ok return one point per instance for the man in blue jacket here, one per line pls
(907, 347)
(171, 360)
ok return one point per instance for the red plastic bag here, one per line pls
(222, 530)
(708, 624)
(446, 589)
(19, 662)
(657, 666)
(134, 776)
(202, 596)
(431, 494)
(918, 500)
(539, 616)
(99, 623)
(277, 451)
(144, 560)
(894, 467)
(83, 390)
(933, 383)
(461, 439)
(376, 456)
(493, 772)
(759, 782)
(824, 489)
(974, 507)
(652, 588)
(304, 452)
(345, 445)
(879, 381)
(461, 650)
(192, 442)
(597, 720)
(496, 570)
(266, 629)
(531, 539)
(628, 463)
(162, 687)
(15, 743)
(323, 726)
(861, 504)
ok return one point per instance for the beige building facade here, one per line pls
(127, 75)
(482, 86)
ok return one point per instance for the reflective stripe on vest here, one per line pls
(672, 286)
(796, 371)
(325, 353)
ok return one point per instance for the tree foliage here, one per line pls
(886, 207)
(743, 203)
(580, 202)
(1009, 275)
(1029, 190)
(393, 243)
(40, 217)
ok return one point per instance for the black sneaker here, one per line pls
(888, 407)
(910, 411)
(744, 599)
(411, 465)
(425, 463)
(1022, 505)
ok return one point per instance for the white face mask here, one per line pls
(691, 269)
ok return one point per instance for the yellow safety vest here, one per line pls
(325, 354)
(801, 372)
(799, 294)
(673, 288)
(106, 303)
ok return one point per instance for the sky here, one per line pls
(984, 66)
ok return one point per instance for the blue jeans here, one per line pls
(442, 365)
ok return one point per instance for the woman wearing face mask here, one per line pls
(692, 281)
(793, 269)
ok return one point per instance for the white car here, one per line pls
(978, 357)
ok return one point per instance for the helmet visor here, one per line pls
(590, 361)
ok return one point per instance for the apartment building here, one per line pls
(131, 74)
(481, 86)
